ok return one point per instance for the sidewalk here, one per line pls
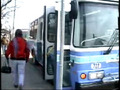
(33, 79)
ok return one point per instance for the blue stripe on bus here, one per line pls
(86, 57)
(89, 59)
(91, 53)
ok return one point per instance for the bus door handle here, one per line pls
(71, 63)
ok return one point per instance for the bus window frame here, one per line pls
(48, 26)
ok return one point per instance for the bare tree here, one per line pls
(6, 9)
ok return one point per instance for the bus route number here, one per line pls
(95, 65)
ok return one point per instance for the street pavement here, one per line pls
(33, 78)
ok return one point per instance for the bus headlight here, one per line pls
(96, 75)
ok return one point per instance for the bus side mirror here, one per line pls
(74, 10)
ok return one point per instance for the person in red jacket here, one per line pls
(18, 52)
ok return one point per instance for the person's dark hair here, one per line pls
(18, 33)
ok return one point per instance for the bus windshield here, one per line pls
(95, 25)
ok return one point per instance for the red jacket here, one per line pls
(23, 51)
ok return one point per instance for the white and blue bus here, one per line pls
(91, 44)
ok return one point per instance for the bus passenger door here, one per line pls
(49, 43)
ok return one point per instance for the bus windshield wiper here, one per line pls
(113, 40)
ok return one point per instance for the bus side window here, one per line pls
(33, 31)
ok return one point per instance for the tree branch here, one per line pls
(6, 3)
(3, 15)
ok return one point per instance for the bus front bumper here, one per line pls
(107, 83)
(97, 86)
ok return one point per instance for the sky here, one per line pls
(26, 12)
